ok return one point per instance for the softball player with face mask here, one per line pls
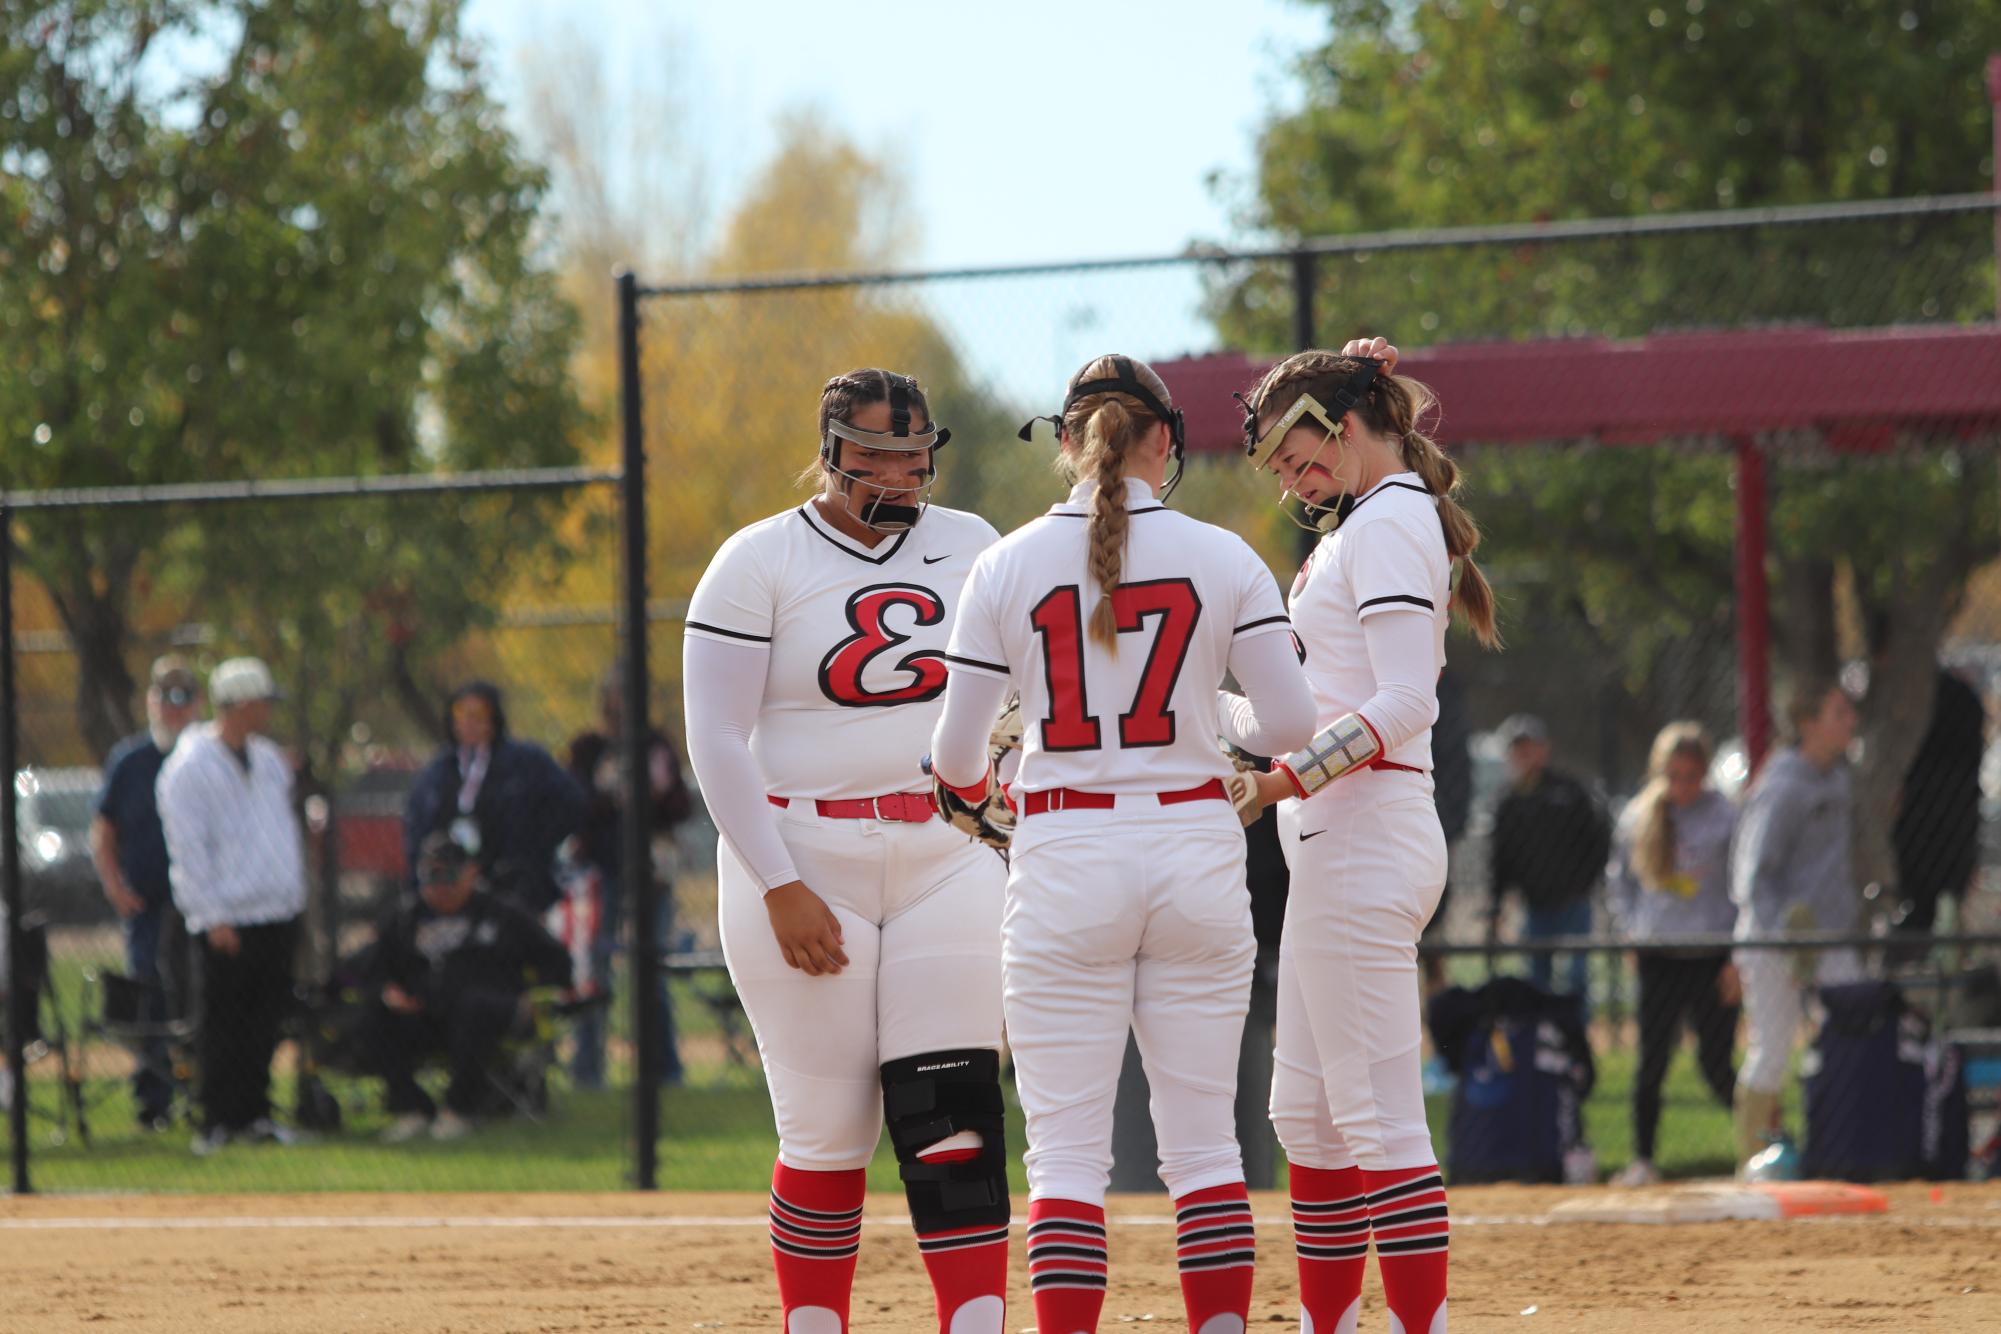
(861, 932)
(1357, 821)
(1116, 618)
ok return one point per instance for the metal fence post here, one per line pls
(1305, 276)
(636, 866)
(1754, 630)
(10, 868)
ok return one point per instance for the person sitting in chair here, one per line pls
(450, 974)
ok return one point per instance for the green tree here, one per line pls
(1443, 112)
(259, 238)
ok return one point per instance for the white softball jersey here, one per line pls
(1387, 556)
(1144, 719)
(857, 639)
(813, 671)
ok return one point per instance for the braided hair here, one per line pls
(1101, 430)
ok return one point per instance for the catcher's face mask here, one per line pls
(890, 508)
(1267, 449)
(1124, 380)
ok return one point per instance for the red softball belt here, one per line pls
(903, 807)
(1069, 799)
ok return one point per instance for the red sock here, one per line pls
(1066, 1265)
(816, 1229)
(1213, 1244)
(1407, 1215)
(968, 1268)
(1330, 1228)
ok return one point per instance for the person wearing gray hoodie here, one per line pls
(1669, 878)
(1791, 872)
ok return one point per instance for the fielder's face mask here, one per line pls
(892, 509)
(1261, 446)
(1124, 380)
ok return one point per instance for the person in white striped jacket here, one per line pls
(239, 880)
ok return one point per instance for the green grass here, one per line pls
(715, 1135)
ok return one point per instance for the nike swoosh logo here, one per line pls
(1303, 835)
(933, 560)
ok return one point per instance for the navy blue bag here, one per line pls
(1883, 1101)
(1524, 1069)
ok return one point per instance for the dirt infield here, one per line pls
(471, 1264)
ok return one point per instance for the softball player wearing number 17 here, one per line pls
(1126, 906)
(862, 934)
(1358, 823)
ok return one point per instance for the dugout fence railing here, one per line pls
(370, 597)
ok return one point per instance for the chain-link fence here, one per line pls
(1705, 451)
(320, 862)
(1626, 399)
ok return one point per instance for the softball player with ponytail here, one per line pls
(1116, 619)
(1358, 823)
(862, 934)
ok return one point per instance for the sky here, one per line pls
(1035, 132)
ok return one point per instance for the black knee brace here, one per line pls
(932, 1097)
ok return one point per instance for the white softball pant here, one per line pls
(1131, 918)
(1368, 866)
(1775, 1005)
(919, 907)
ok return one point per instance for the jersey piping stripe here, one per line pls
(838, 544)
(705, 627)
(1397, 597)
(1075, 514)
(1406, 486)
(1268, 620)
(997, 667)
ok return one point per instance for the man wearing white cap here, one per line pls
(239, 878)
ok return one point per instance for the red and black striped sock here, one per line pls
(1215, 1247)
(968, 1266)
(1330, 1229)
(1067, 1264)
(816, 1231)
(1407, 1216)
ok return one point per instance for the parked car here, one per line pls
(58, 878)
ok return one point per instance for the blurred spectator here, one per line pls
(1791, 872)
(1550, 844)
(238, 871)
(505, 801)
(594, 764)
(449, 974)
(1452, 792)
(1670, 876)
(1936, 835)
(130, 851)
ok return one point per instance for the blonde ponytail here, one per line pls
(1653, 831)
(1106, 529)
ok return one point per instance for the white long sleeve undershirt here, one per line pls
(1274, 715)
(722, 691)
(1402, 653)
(959, 742)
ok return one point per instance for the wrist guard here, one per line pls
(1343, 746)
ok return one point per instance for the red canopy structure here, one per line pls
(1858, 390)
